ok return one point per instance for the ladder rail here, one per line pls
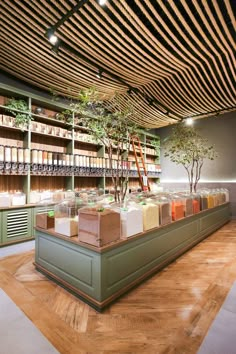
(137, 140)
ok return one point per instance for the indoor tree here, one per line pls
(185, 146)
(109, 124)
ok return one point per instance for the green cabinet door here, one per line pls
(16, 224)
(0, 227)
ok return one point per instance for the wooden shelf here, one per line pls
(60, 143)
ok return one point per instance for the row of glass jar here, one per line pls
(14, 154)
(12, 199)
(141, 212)
(22, 155)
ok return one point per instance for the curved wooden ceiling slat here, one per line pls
(179, 49)
(193, 43)
(214, 37)
(180, 54)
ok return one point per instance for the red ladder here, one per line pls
(142, 171)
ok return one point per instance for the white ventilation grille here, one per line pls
(17, 223)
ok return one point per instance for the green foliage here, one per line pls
(156, 144)
(22, 119)
(186, 147)
(110, 124)
(113, 128)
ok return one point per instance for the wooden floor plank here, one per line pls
(169, 313)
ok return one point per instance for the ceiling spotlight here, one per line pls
(102, 2)
(53, 39)
(189, 121)
(99, 74)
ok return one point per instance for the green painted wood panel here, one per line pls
(215, 217)
(78, 266)
(145, 254)
(106, 274)
(1, 227)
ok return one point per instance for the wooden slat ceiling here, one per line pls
(180, 55)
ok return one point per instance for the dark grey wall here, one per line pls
(221, 132)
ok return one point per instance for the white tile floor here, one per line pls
(220, 338)
(18, 248)
(17, 333)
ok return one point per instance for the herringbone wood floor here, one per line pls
(169, 313)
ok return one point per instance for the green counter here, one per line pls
(100, 275)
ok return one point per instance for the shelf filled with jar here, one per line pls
(52, 146)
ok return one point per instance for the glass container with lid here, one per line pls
(99, 225)
(131, 217)
(18, 198)
(211, 199)
(66, 217)
(196, 203)
(204, 199)
(5, 199)
(2, 153)
(178, 207)
(188, 203)
(58, 196)
(14, 154)
(165, 216)
(150, 211)
(225, 197)
(45, 213)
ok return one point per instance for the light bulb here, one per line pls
(102, 2)
(189, 121)
(53, 39)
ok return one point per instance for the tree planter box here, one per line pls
(99, 227)
(100, 275)
(44, 221)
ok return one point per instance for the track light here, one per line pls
(102, 2)
(99, 74)
(132, 90)
(53, 39)
(55, 48)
